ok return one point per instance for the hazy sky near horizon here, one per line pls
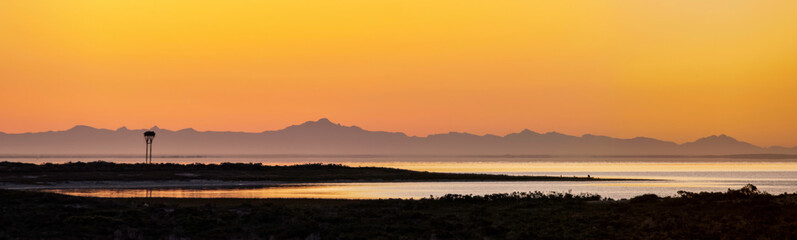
(675, 70)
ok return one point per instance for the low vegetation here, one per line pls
(736, 214)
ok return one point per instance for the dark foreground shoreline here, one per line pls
(51, 174)
(377, 157)
(736, 214)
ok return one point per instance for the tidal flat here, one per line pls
(52, 174)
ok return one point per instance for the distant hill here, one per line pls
(325, 137)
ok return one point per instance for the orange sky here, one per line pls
(675, 70)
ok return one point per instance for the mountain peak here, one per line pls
(319, 123)
(718, 138)
(527, 131)
(187, 130)
(522, 134)
(554, 133)
(588, 135)
(81, 128)
(721, 143)
(324, 120)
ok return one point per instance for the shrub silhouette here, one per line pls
(744, 213)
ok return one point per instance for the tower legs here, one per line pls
(148, 153)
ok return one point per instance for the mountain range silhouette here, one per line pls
(323, 137)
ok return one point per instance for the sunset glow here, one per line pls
(675, 70)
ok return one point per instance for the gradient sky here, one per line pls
(674, 70)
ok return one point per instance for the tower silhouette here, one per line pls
(148, 136)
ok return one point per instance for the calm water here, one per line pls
(672, 175)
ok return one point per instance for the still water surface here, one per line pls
(671, 175)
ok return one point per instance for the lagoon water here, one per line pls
(669, 174)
